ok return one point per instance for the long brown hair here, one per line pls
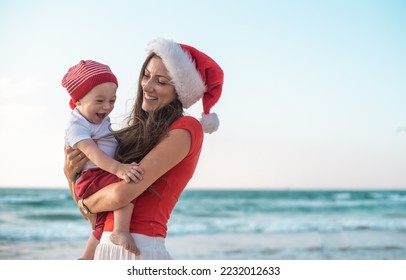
(145, 129)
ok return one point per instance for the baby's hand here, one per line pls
(129, 172)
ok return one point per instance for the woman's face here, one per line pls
(157, 86)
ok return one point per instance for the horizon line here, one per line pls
(191, 188)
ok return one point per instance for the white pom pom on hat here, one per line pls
(195, 75)
(210, 122)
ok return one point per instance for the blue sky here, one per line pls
(314, 93)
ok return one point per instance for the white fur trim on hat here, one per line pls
(188, 83)
(210, 122)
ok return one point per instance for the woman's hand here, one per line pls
(75, 160)
(73, 164)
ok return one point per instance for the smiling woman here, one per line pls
(166, 144)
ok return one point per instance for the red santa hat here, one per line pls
(194, 74)
(83, 77)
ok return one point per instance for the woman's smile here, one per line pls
(149, 97)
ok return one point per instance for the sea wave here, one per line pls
(285, 224)
(27, 215)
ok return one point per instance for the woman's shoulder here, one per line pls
(188, 122)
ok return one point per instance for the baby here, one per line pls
(92, 87)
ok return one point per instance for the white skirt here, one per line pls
(151, 248)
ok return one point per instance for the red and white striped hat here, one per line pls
(194, 74)
(82, 77)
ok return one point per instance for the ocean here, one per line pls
(216, 224)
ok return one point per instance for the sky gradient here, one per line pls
(314, 94)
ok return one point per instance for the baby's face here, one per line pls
(98, 103)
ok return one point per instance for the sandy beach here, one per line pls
(313, 246)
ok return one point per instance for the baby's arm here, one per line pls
(124, 171)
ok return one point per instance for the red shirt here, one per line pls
(152, 209)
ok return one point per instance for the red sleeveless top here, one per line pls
(152, 209)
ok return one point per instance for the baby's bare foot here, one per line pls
(124, 238)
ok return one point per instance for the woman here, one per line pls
(166, 144)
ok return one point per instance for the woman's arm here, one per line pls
(166, 154)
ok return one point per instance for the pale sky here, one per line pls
(314, 93)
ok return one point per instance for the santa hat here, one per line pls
(194, 74)
(83, 77)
